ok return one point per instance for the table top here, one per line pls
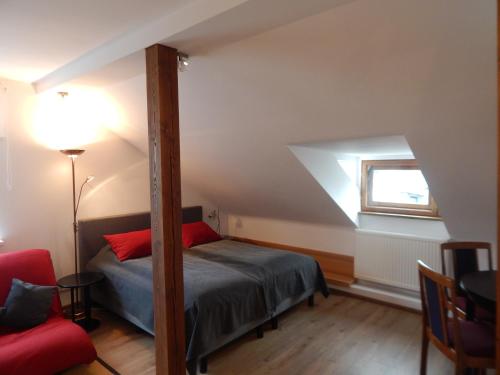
(80, 280)
(481, 285)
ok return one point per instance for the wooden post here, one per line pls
(166, 210)
(498, 193)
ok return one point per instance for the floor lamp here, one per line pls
(73, 154)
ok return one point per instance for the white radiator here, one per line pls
(391, 259)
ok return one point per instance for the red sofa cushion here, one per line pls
(32, 266)
(46, 349)
(198, 233)
(50, 347)
(130, 245)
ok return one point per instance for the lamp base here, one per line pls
(88, 324)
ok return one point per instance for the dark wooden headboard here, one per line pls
(91, 231)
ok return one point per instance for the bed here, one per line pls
(230, 287)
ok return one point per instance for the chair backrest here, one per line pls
(464, 258)
(436, 307)
(32, 266)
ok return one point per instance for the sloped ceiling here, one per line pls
(418, 68)
(50, 42)
(193, 28)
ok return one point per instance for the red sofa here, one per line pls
(52, 346)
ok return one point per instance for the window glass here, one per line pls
(395, 187)
(400, 186)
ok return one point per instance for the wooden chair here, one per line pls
(464, 257)
(468, 344)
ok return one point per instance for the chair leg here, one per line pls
(310, 300)
(423, 354)
(459, 368)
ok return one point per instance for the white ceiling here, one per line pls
(195, 28)
(51, 42)
(39, 36)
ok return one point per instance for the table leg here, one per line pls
(87, 322)
(72, 290)
(469, 309)
(88, 304)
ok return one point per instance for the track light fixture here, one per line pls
(182, 61)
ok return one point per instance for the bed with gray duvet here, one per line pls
(230, 288)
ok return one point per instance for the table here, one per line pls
(481, 288)
(82, 280)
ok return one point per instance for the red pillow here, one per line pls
(131, 244)
(198, 233)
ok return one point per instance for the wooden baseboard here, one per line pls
(337, 268)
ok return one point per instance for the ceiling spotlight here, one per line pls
(182, 61)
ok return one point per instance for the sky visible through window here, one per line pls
(400, 186)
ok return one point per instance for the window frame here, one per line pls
(408, 209)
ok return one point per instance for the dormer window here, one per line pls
(395, 187)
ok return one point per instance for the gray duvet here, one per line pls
(229, 288)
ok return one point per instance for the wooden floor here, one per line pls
(340, 335)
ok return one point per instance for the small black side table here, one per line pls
(82, 280)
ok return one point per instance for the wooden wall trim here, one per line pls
(337, 268)
(166, 210)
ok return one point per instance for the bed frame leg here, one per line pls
(274, 322)
(203, 365)
(260, 332)
(310, 300)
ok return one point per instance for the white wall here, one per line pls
(128, 191)
(423, 69)
(35, 183)
(329, 238)
(423, 228)
(418, 68)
